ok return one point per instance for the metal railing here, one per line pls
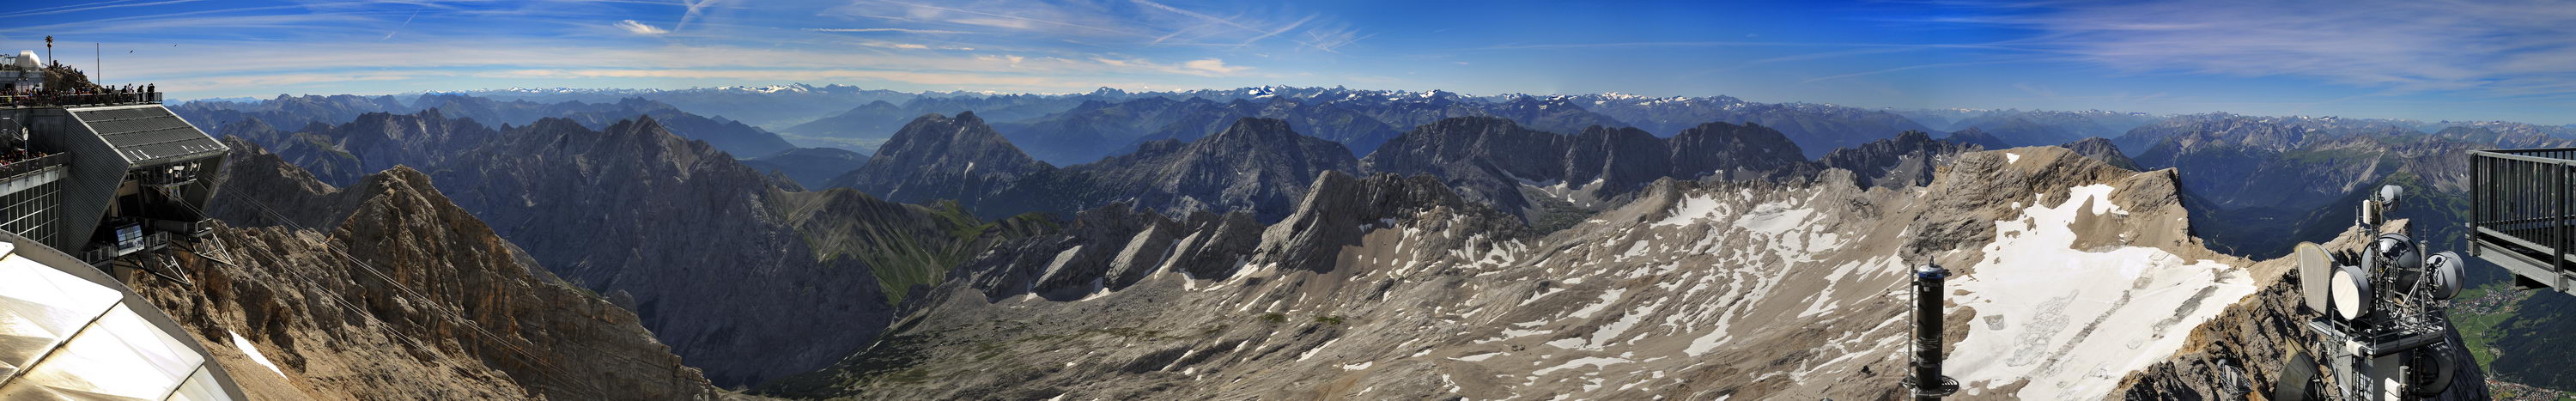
(103, 252)
(2523, 211)
(15, 168)
(79, 99)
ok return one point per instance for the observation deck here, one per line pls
(2522, 214)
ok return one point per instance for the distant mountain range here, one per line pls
(1070, 129)
(311, 112)
(1259, 165)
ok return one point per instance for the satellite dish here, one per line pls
(2402, 258)
(2401, 253)
(2445, 270)
(2315, 267)
(2435, 368)
(2388, 196)
(2351, 292)
(2298, 380)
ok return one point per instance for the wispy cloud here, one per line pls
(415, 14)
(1110, 22)
(91, 7)
(2501, 47)
(693, 10)
(901, 30)
(1213, 66)
(633, 27)
(1905, 68)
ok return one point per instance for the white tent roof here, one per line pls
(65, 337)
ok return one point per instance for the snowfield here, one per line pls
(2073, 321)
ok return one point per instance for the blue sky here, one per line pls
(2429, 60)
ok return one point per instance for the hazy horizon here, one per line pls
(2379, 59)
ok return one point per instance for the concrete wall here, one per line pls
(95, 172)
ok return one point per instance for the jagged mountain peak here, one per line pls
(940, 157)
(1256, 128)
(937, 130)
(2103, 149)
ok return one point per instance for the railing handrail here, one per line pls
(31, 164)
(80, 99)
(2524, 155)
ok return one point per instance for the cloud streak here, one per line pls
(630, 26)
(901, 30)
(2504, 48)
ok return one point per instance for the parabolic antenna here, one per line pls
(2445, 270)
(2351, 292)
(2298, 379)
(2315, 267)
(2401, 254)
(2432, 370)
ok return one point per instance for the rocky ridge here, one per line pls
(1532, 173)
(1908, 160)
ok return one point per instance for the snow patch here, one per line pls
(1773, 218)
(1694, 208)
(1580, 362)
(1479, 357)
(253, 351)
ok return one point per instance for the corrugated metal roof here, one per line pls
(144, 134)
